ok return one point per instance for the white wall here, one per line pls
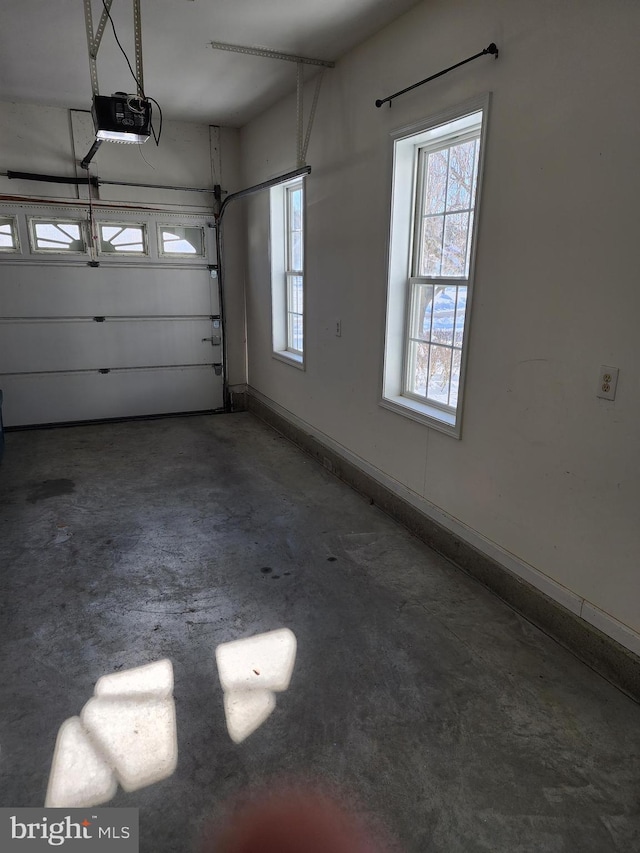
(546, 476)
(49, 140)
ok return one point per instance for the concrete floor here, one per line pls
(454, 721)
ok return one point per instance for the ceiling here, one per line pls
(44, 58)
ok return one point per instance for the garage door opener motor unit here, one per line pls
(121, 118)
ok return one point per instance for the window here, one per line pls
(294, 267)
(8, 234)
(122, 238)
(181, 240)
(287, 271)
(436, 181)
(56, 235)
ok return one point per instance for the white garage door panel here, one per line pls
(28, 347)
(78, 291)
(146, 320)
(56, 398)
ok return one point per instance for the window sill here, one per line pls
(291, 358)
(423, 413)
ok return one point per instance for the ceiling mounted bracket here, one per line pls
(93, 41)
(271, 54)
(299, 114)
(314, 104)
(302, 138)
(137, 34)
(93, 44)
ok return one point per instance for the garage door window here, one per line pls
(181, 240)
(8, 234)
(122, 238)
(56, 235)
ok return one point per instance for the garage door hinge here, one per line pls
(104, 370)
(99, 319)
(218, 369)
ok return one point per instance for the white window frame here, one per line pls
(161, 250)
(13, 223)
(108, 223)
(407, 143)
(282, 273)
(49, 250)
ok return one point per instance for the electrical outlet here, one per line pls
(338, 328)
(607, 382)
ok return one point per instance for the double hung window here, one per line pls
(287, 271)
(294, 268)
(433, 228)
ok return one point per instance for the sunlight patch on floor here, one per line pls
(251, 672)
(126, 734)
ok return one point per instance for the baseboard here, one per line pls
(599, 640)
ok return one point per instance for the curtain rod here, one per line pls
(491, 49)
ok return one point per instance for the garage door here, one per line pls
(125, 323)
